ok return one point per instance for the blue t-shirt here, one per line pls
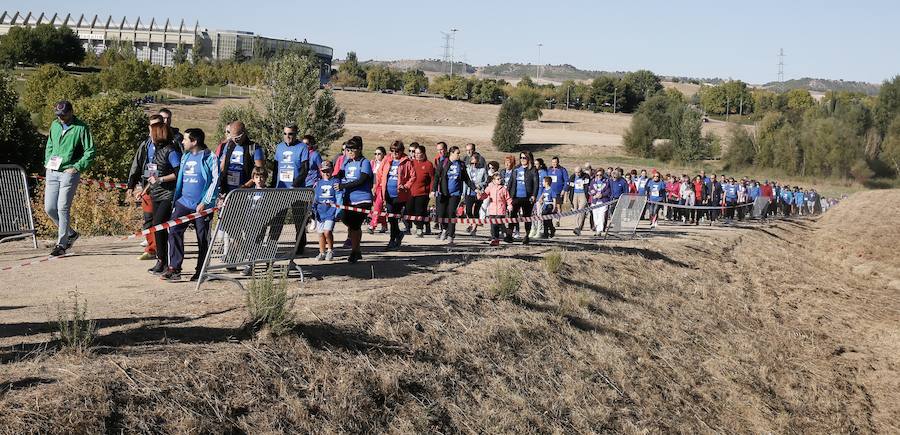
(289, 158)
(787, 196)
(753, 191)
(520, 182)
(641, 184)
(151, 151)
(326, 193)
(392, 179)
(234, 172)
(193, 184)
(558, 179)
(579, 182)
(617, 187)
(315, 164)
(454, 184)
(731, 191)
(798, 198)
(352, 170)
(656, 190)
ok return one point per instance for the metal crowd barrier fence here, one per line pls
(626, 215)
(16, 218)
(760, 207)
(256, 226)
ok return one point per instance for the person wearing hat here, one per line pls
(70, 151)
(356, 179)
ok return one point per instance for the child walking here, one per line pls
(500, 205)
(326, 195)
(548, 206)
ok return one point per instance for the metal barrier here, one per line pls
(627, 214)
(16, 219)
(256, 226)
(760, 207)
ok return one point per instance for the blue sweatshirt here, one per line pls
(617, 187)
(289, 158)
(198, 179)
(656, 190)
(326, 193)
(559, 177)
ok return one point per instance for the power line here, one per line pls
(781, 70)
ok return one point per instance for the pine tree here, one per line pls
(325, 120)
(510, 126)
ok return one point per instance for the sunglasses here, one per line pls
(290, 134)
(379, 154)
(523, 158)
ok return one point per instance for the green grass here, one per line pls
(74, 329)
(214, 91)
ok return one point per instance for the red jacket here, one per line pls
(406, 176)
(424, 178)
(766, 190)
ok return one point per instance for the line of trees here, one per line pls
(846, 135)
(666, 127)
(40, 44)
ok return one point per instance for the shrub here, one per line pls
(553, 262)
(268, 303)
(20, 142)
(510, 126)
(73, 328)
(664, 150)
(638, 138)
(117, 126)
(95, 212)
(861, 172)
(507, 283)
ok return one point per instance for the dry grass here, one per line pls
(735, 331)
(95, 212)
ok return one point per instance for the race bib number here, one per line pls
(234, 178)
(579, 184)
(654, 191)
(151, 170)
(553, 178)
(286, 176)
(54, 162)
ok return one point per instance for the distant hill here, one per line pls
(550, 72)
(825, 85)
(426, 65)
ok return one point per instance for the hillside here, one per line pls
(825, 85)
(687, 330)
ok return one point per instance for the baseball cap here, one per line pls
(62, 107)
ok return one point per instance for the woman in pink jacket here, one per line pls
(500, 205)
(393, 181)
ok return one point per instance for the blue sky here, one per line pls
(850, 40)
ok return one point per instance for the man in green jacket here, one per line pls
(70, 151)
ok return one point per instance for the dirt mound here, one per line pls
(722, 330)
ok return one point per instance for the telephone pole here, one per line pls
(452, 48)
(539, 61)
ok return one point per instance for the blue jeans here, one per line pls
(59, 192)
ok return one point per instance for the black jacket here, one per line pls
(246, 168)
(162, 191)
(136, 173)
(439, 184)
(713, 192)
(532, 182)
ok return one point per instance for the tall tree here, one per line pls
(20, 142)
(510, 126)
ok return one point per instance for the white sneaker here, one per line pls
(321, 256)
(451, 242)
(443, 235)
(144, 243)
(329, 254)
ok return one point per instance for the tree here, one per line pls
(20, 142)
(380, 77)
(487, 91)
(531, 100)
(182, 75)
(324, 120)
(117, 51)
(607, 91)
(196, 52)
(245, 113)
(643, 83)
(350, 73)
(180, 55)
(132, 76)
(43, 43)
(525, 82)
(741, 150)
(451, 87)
(799, 100)
(887, 106)
(638, 138)
(117, 126)
(890, 152)
(733, 97)
(38, 86)
(414, 82)
(689, 145)
(510, 126)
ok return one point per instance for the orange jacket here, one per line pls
(406, 176)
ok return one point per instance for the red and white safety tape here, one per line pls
(173, 223)
(473, 221)
(40, 260)
(103, 184)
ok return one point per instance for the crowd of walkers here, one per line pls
(175, 173)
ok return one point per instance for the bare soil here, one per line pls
(753, 328)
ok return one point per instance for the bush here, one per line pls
(510, 126)
(861, 172)
(268, 303)
(553, 262)
(132, 76)
(73, 328)
(638, 138)
(117, 126)
(532, 102)
(245, 113)
(507, 283)
(664, 150)
(95, 212)
(741, 149)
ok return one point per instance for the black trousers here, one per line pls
(418, 206)
(473, 207)
(394, 205)
(162, 212)
(445, 207)
(521, 207)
